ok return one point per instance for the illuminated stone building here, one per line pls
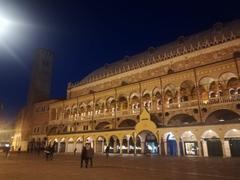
(180, 99)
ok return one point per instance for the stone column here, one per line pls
(205, 148)
(135, 144)
(178, 148)
(59, 144)
(142, 147)
(128, 148)
(183, 148)
(95, 146)
(165, 147)
(120, 142)
(227, 148)
(66, 146)
(115, 146)
(107, 144)
(223, 148)
(199, 148)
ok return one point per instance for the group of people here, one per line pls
(49, 151)
(87, 155)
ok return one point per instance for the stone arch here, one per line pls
(101, 144)
(148, 142)
(134, 94)
(157, 98)
(187, 91)
(127, 144)
(170, 93)
(181, 119)
(99, 106)
(74, 109)
(226, 76)
(135, 102)
(209, 134)
(114, 144)
(127, 123)
(147, 100)
(204, 86)
(146, 92)
(110, 105)
(70, 145)
(188, 136)
(89, 108)
(171, 144)
(79, 144)
(222, 115)
(189, 143)
(232, 141)
(212, 145)
(67, 112)
(89, 141)
(103, 125)
(122, 103)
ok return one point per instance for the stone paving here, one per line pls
(67, 167)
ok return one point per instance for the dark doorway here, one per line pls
(62, 147)
(171, 145)
(234, 147)
(214, 147)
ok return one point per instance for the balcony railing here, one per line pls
(154, 108)
(182, 104)
(223, 99)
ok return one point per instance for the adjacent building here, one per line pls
(35, 113)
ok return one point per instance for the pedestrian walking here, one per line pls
(90, 154)
(107, 151)
(7, 150)
(84, 157)
(75, 151)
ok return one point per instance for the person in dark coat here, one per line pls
(84, 157)
(90, 154)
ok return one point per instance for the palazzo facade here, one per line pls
(180, 99)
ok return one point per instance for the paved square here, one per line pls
(67, 167)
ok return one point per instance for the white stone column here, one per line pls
(165, 147)
(66, 146)
(120, 142)
(223, 148)
(59, 144)
(178, 148)
(95, 146)
(199, 148)
(128, 147)
(135, 144)
(205, 148)
(142, 147)
(115, 146)
(183, 148)
(227, 148)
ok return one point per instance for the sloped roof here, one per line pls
(218, 34)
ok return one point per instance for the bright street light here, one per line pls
(4, 25)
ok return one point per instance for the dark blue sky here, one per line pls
(88, 34)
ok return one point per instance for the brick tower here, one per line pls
(40, 85)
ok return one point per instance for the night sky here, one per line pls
(86, 35)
